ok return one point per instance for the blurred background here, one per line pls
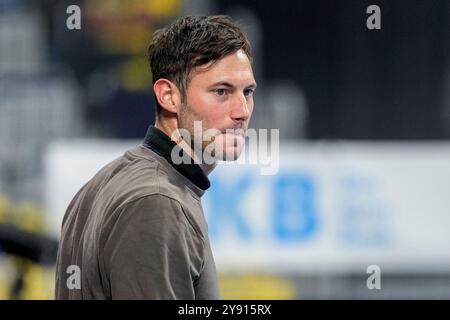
(364, 126)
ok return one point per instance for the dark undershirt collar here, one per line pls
(159, 142)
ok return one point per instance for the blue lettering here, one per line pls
(295, 217)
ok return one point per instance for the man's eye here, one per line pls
(248, 92)
(221, 92)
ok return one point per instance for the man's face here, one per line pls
(220, 95)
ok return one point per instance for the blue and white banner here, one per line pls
(331, 207)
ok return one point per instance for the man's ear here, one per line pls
(168, 95)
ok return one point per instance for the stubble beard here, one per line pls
(210, 141)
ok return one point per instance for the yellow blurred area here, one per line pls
(254, 286)
(39, 283)
(4, 208)
(131, 77)
(123, 27)
(25, 215)
(36, 281)
(163, 8)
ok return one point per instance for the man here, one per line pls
(137, 229)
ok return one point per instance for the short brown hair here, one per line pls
(192, 41)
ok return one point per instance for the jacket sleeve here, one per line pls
(153, 252)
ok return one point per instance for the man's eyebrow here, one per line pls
(252, 86)
(229, 85)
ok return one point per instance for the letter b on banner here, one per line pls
(295, 208)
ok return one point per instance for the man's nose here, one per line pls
(240, 111)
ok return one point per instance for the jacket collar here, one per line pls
(161, 144)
